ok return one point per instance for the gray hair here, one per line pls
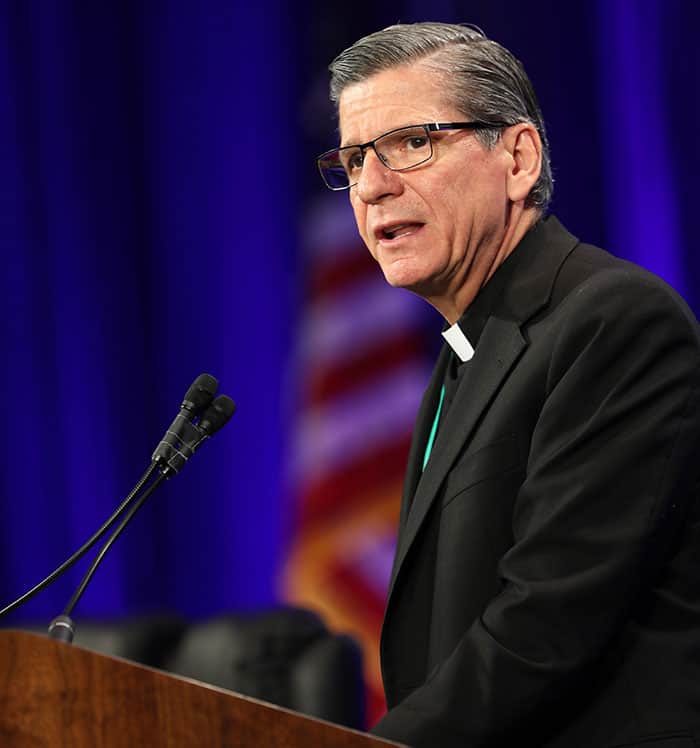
(485, 81)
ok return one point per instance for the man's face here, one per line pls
(432, 227)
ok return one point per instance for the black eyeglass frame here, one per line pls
(427, 126)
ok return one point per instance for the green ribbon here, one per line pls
(433, 430)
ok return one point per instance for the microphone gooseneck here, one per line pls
(200, 416)
(62, 627)
(68, 563)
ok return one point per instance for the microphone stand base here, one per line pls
(62, 629)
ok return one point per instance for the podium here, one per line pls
(56, 694)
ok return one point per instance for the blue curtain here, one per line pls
(148, 236)
(156, 158)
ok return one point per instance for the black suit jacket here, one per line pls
(546, 585)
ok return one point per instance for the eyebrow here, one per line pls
(379, 135)
(346, 145)
(371, 140)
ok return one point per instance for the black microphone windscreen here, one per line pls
(217, 414)
(201, 392)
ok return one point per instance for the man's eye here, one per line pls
(416, 142)
(353, 162)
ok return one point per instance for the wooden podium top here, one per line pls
(53, 694)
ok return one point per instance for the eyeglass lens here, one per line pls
(398, 150)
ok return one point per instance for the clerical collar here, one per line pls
(459, 342)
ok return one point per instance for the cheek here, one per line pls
(452, 209)
(449, 198)
(466, 206)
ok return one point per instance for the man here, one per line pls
(546, 585)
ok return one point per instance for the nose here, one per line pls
(376, 180)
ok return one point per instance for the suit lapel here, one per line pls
(500, 347)
(424, 420)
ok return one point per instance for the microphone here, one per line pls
(192, 435)
(200, 393)
(180, 441)
(217, 415)
(190, 429)
(197, 397)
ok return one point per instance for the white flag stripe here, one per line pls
(361, 316)
(335, 434)
(373, 558)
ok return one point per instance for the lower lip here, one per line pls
(386, 242)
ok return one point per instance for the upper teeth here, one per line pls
(391, 231)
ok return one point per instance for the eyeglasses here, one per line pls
(398, 150)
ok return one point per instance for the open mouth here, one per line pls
(397, 230)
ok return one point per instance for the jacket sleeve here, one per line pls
(612, 468)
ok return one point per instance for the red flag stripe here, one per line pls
(328, 278)
(331, 381)
(356, 482)
(353, 587)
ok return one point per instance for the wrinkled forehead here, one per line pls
(392, 98)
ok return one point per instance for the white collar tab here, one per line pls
(457, 340)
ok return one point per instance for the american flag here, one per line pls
(363, 367)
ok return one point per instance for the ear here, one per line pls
(522, 141)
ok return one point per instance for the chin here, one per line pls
(402, 274)
(397, 278)
(407, 275)
(409, 281)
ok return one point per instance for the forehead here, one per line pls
(399, 96)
